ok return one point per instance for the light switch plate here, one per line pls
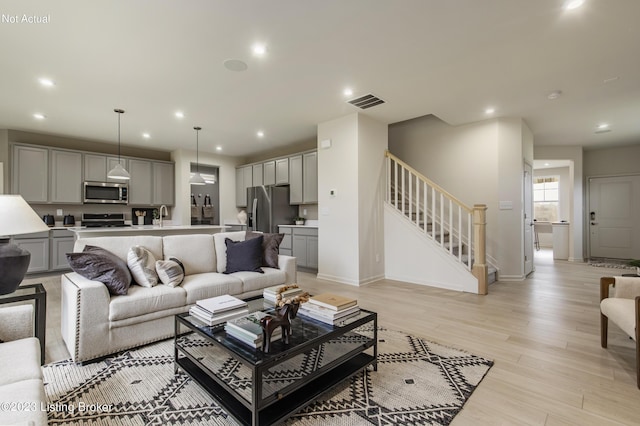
(506, 205)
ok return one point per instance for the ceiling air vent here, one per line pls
(366, 101)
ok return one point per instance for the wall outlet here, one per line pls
(332, 193)
(377, 258)
(304, 212)
(59, 212)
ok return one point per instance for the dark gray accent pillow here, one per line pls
(96, 263)
(244, 255)
(270, 247)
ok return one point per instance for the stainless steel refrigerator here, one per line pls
(269, 207)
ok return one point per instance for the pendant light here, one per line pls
(118, 172)
(197, 179)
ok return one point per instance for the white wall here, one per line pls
(226, 179)
(338, 251)
(577, 227)
(372, 143)
(4, 158)
(479, 163)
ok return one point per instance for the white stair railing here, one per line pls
(456, 227)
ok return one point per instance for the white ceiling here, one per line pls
(450, 58)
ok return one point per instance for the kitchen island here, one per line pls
(85, 232)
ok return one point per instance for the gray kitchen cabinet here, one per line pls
(310, 178)
(269, 173)
(30, 173)
(141, 182)
(163, 184)
(295, 179)
(96, 167)
(66, 176)
(38, 245)
(257, 175)
(282, 171)
(62, 242)
(301, 243)
(244, 180)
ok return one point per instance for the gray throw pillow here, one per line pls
(170, 272)
(96, 263)
(244, 255)
(270, 247)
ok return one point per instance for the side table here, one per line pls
(37, 293)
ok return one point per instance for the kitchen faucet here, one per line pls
(165, 211)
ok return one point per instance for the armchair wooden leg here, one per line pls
(604, 327)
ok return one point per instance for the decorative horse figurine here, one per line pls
(283, 317)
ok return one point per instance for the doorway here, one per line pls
(614, 213)
(205, 199)
(528, 219)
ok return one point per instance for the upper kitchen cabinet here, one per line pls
(66, 176)
(30, 173)
(295, 179)
(97, 166)
(257, 175)
(282, 171)
(269, 173)
(244, 180)
(141, 182)
(310, 178)
(163, 186)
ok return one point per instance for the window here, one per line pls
(545, 198)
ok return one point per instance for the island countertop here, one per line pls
(84, 232)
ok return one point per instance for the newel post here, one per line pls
(480, 269)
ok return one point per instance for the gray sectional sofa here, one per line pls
(95, 323)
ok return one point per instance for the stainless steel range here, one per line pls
(103, 220)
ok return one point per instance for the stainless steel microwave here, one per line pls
(106, 193)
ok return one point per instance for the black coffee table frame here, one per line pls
(278, 406)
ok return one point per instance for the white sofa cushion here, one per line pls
(196, 252)
(120, 245)
(221, 247)
(252, 281)
(142, 264)
(144, 300)
(20, 360)
(29, 393)
(203, 286)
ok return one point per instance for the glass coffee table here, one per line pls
(259, 388)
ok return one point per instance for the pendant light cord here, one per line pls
(120, 112)
(197, 129)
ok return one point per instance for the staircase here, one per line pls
(458, 230)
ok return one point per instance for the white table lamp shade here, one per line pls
(17, 217)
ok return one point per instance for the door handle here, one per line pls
(594, 223)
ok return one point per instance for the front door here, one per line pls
(528, 219)
(614, 217)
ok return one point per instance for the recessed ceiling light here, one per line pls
(218, 148)
(146, 135)
(235, 65)
(39, 116)
(573, 4)
(554, 95)
(259, 49)
(489, 110)
(260, 134)
(347, 92)
(603, 126)
(46, 82)
(547, 164)
(179, 114)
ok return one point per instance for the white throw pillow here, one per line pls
(170, 272)
(221, 247)
(142, 265)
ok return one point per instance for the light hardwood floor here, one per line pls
(543, 334)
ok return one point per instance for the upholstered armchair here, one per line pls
(623, 308)
(16, 322)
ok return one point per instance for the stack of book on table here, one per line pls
(219, 309)
(329, 308)
(271, 293)
(248, 330)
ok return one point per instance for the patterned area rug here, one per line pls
(418, 382)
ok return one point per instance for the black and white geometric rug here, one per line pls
(418, 382)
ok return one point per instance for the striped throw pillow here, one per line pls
(142, 265)
(170, 272)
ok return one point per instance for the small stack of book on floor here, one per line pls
(248, 330)
(216, 310)
(329, 308)
(271, 293)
